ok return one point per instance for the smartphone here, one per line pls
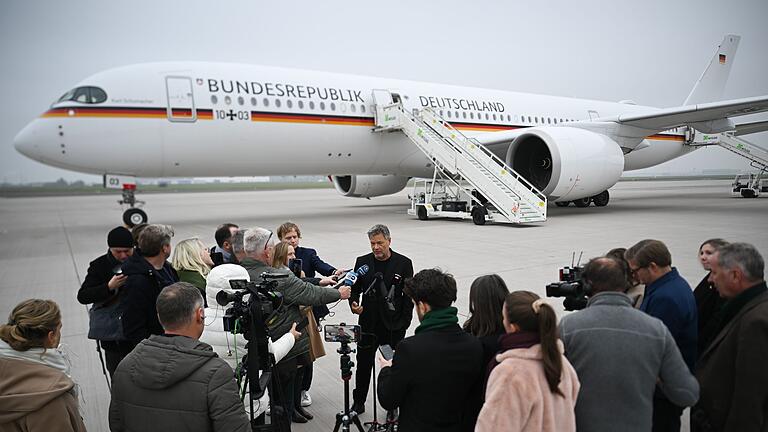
(295, 266)
(302, 324)
(118, 270)
(386, 352)
(341, 333)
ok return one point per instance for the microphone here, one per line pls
(390, 297)
(377, 277)
(351, 277)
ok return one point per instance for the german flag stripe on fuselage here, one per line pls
(275, 117)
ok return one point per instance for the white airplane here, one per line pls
(195, 119)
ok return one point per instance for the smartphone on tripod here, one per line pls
(387, 352)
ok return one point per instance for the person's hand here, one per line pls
(296, 334)
(327, 281)
(338, 273)
(116, 282)
(356, 308)
(346, 292)
(383, 363)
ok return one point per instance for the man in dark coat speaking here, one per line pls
(385, 313)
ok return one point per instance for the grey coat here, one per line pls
(296, 293)
(619, 353)
(170, 383)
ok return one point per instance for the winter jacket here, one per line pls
(670, 299)
(619, 353)
(518, 397)
(196, 279)
(733, 372)
(94, 288)
(142, 286)
(295, 293)
(36, 397)
(174, 383)
(227, 346)
(433, 375)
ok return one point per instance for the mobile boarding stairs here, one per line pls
(469, 182)
(749, 185)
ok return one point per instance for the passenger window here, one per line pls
(353, 107)
(240, 100)
(472, 115)
(277, 103)
(487, 117)
(227, 100)
(456, 114)
(322, 106)
(311, 105)
(449, 114)
(494, 117)
(289, 103)
(266, 102)
(464, 114)
(214, 99)
(333, 106)
(301, 104)
(362, 108)
(253, 101)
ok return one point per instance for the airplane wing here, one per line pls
(750, 128)
(710, 117)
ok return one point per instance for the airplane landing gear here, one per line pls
(133, 215)
(601, 199)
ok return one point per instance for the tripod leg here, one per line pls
(338, 422)
(356, 420)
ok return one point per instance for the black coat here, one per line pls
(433, 374)
(709, 303)
(94, 288)
(139, 296)
(375, 311)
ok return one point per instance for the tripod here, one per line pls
(346, 417)
(390, 423)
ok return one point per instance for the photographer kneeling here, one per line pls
(259, 244)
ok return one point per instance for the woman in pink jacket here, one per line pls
(532, 386)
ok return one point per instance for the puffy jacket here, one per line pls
(175, 383)
(35, 397)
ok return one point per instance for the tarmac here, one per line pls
(48, 243)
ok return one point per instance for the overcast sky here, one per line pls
(651, 52)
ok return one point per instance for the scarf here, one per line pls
(521, 339)
(51, 357)
(438, 318)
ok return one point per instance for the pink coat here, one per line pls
(518, 396)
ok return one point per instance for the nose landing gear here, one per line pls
(133, 215)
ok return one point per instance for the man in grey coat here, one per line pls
(173, 381)
(619, 354)
(259, 244)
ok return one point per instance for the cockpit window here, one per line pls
(88, 95)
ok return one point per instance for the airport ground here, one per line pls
(48, 243)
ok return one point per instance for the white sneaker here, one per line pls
(306, 399)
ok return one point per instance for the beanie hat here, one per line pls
(219, 277)
(120, 237)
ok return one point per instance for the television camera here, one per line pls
(571, 286)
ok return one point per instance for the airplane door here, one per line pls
(181, 104)
(593, 115)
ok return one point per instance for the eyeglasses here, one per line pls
(633, 272)
(266, 245)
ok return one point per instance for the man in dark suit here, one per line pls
(732, 371)
(435, 371)
(385, 313)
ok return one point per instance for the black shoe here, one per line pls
(358, 407)
(298, 418)
(302, 412)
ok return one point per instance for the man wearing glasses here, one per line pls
(669, 298)
(259, 244)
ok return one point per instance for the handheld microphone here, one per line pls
(390, 297)
(351, 277)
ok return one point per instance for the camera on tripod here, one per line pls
(571, 286)
(342, 333)
(268, 300)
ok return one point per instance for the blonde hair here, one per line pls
(29, 324)
(280, 255)
(186, 256)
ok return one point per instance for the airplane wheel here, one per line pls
(748, 193)
(582, 202)
(562, 203)
(421, 212)
(478, 215)
(601, 199)
(134, 216)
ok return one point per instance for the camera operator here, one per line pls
(383, 321)
(619, 354)
(259, 244)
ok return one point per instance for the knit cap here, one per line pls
(120, 237)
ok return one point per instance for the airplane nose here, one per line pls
(29, 141)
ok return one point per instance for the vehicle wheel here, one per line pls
(562, 203)
(582, 202)
(478, 215)
(134, 216)
(421, 212)
(748, 193)
(601, 199)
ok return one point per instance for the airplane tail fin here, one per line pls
(710, 86)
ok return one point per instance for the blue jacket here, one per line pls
(670, 299)
(312, 263)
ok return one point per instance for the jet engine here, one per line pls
(368, 186)
(566, 163)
